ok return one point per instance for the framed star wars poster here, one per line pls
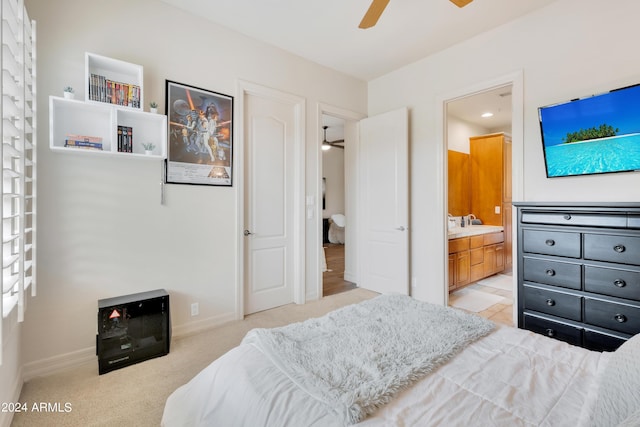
(200, 136)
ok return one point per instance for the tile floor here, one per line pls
(500, 313)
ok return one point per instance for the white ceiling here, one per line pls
(496, 101)
(327, 32)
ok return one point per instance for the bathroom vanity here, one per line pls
(475, 252)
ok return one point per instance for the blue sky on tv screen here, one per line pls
(619, 109)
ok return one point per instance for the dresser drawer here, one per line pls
(633, 221)
(458, 245)
(610, 315)
(588, 219)
(555, 303)
(612, 281)
(552, 243)
(554, 273)
(492, 238)
(601, 342)
(559, 331)
(613, 248)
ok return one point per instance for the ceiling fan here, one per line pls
(377, 7)
(328, 144)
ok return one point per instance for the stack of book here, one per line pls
(105, 90)
(125, 139)
(83, 141)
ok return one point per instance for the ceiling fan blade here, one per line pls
(373, 13)
(461, 3)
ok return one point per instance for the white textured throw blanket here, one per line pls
(357, 358)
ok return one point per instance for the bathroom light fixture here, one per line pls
(487, 114)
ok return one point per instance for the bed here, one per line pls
(472, 373)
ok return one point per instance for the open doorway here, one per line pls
(479, 153)
(334, 207)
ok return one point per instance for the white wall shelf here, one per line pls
(71, 117)
(99, 70)
(102, 112)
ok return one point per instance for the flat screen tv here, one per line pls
(592, 135)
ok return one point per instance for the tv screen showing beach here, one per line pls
(598, 134)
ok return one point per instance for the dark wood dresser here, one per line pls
(579, 271)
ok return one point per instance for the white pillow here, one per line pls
(619, 390)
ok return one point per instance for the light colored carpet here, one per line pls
(472, 300)
(498, 281)
(135, 395)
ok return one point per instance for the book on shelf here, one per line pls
(125, 139)
(129, 139)
(87, 138)
(118, 93)
(83, 144)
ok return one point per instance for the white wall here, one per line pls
(333, 171)
(569, 49)
(459, 132)
(11, 369)
(102, 230)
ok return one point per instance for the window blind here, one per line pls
(18, 109)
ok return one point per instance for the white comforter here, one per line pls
(509, 378)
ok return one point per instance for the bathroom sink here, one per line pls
(473, 230)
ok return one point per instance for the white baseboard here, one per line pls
(58, 363)
(7, 417)
(198, 326)
(65, 361)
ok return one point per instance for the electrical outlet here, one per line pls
(414, 283)
(195, 309)
(497, 210)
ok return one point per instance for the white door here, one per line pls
(272, 186)
(384, 203)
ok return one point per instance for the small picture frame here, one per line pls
(200, 136)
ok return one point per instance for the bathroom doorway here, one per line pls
(479, 151)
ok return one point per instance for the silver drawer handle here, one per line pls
(567, 217)
(619, 248)
(550, 272)
(551, 302)
(620, 318)
(620, 283)
(550, 242)
(551, 333)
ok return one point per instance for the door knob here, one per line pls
(401, 228)
(247, 232)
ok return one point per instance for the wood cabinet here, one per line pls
(458, 178)
(459, 263)
(475, 257)
(579, 272)
(490, 183)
